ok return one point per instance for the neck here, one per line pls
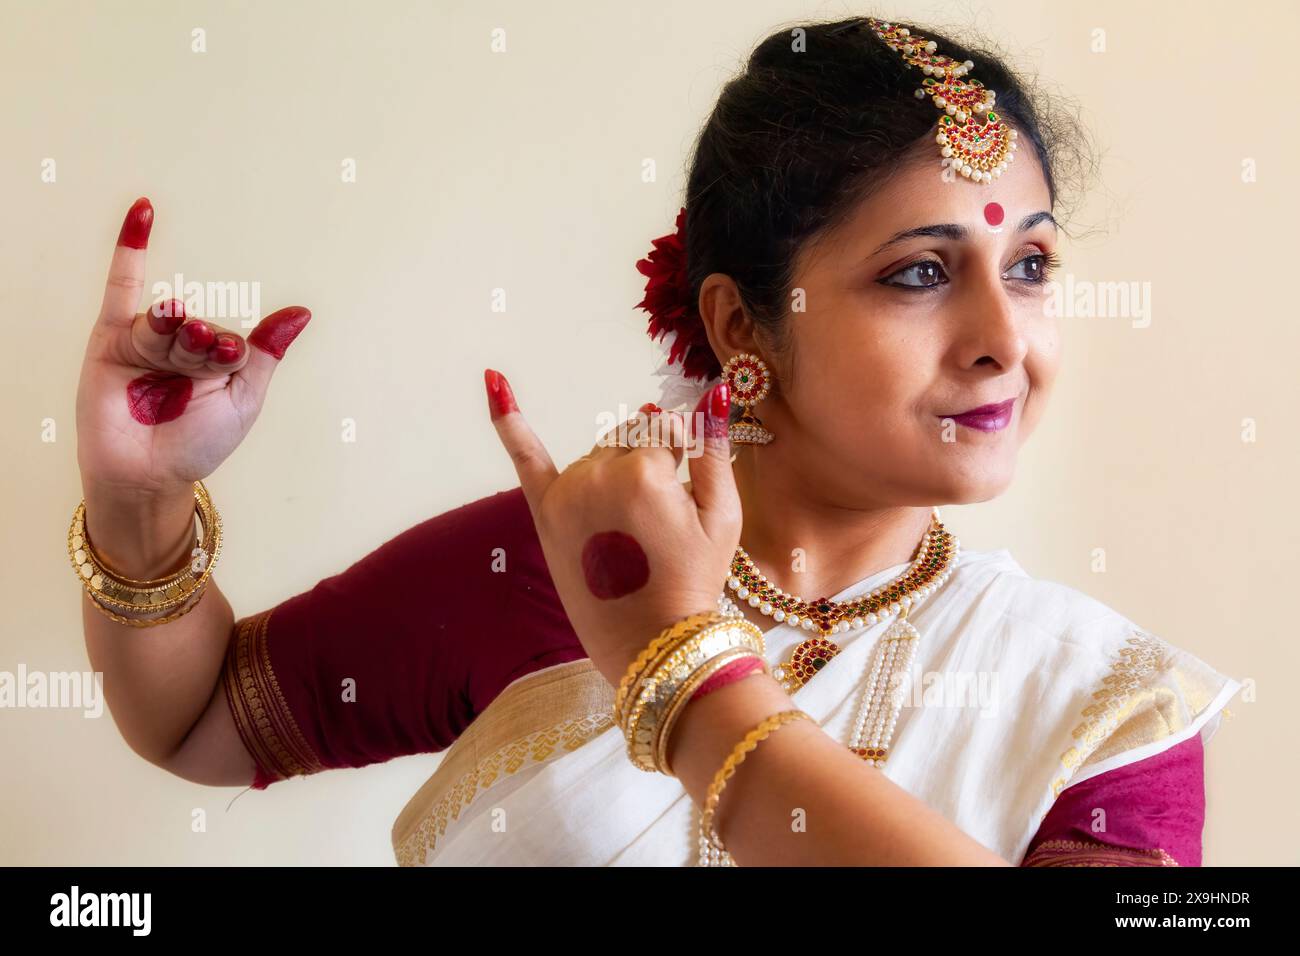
(839, 546)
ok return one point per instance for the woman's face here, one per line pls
(904, 332)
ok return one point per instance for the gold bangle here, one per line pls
(655, 685)
(108, 590)
(708, 839)
(157, 594)
(683, 696)
(666, 652)
(656, 689)
(147, 621)
(666, 639)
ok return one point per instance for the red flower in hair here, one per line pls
(668, 300)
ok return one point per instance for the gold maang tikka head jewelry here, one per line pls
(749, 380)
(978, 151)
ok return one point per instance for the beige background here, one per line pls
(522, 170)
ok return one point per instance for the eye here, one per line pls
(925, 274)
(1037, 267)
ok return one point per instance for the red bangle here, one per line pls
(730, 673)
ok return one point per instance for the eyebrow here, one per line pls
(956, 233)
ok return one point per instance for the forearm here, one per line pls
(802, 798)
(157, 680)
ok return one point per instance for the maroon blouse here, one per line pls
(399, 653)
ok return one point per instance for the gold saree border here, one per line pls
(556, 709)
(1152, 691)
(1085, 853)
(262, 715)
(1120, 694)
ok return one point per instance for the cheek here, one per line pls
(852, 374)
(1042, 362)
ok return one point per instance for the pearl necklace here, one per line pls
(891, 658)
(935, 558)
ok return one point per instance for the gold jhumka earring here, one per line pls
(749, 380)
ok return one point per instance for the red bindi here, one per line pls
(158, 397)
(614, 565)
(994, 214)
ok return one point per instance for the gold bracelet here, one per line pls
(146, 621)
(709, 842)
(109, 583)
(686, 691)
(654, 687)
(668, 638)
(157, 594)
(178, 591)
(658, 688)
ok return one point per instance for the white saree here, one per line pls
(1020, 687)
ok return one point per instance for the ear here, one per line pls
(729, 327)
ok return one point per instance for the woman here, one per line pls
(870, 283)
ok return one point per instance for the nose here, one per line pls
(991, 327)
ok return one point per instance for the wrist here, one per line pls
(140, 533)
(710, 727)
(613, 662)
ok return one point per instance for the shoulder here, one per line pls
(461, 540)
(503, 515)
(1123, 691)
(1057, 619)
(1042, 608)
(475, 569)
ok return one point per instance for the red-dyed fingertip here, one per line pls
(720, 401)
(167, 316)
(275, 333)
(226, 349)
(137, 225)
(716, 406)
(501, 399)
(196, 336)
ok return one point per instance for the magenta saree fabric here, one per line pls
(400, 652)
(1148, 813)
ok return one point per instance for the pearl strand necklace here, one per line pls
(891, 658)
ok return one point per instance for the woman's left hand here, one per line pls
(631, 551)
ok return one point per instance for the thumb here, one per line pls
(712, 482)
(267, 345)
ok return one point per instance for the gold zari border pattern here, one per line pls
(1119, 695)
(1081, 853)
(549, 712)
(261, 713)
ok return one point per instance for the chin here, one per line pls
(971, 486)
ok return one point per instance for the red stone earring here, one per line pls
(750, 381)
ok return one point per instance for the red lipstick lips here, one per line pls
(986, 418)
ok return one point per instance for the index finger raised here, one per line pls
(532, 461)
(125, 283)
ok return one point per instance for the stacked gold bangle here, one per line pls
(660, 682)
(158, 600)
(712, 852)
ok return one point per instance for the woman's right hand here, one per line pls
(163, 399)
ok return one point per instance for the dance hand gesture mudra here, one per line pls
(163, 397)
(631, 551)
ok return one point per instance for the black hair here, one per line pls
(820, 117)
